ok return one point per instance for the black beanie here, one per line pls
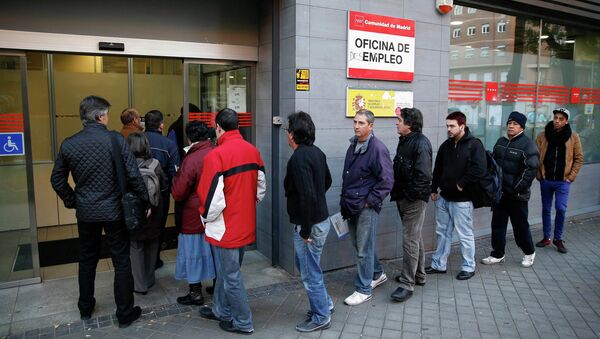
(517, 117)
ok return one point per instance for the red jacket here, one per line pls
(232, 182)
(184, 187)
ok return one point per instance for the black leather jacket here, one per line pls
(87, 155)
(412, 168)
(519, 159)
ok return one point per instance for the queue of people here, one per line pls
(216, 189)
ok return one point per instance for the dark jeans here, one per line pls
(517, 211)
(117, 237)
(413, 256)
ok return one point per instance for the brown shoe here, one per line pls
(543, 243)
(560, 246)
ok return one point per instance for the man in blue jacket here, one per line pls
(368, 178)
(165, 151)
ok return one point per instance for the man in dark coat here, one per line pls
(412, 187)
(518, 157)
(96, 198)
(306, 182)
(368, 178)
(460, 164)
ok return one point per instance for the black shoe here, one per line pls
(418, 283)
(228, 326)
(309, 314)
(159, 264)
(135, 315)
(401, 294)
(210, 290)
(87, 315)
(207, 313)
(142, 293)
(194, 297)
(464, 275)
(431, 270)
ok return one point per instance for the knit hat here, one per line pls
(517, 117)
(563, 111)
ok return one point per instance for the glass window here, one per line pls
(485, 28)
(501, 27)
(456, 33)
(471, 10)
(533, 67)
(484, 52)
(453, 55)
(471, 30)
(458, 10)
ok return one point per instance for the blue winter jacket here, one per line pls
(165, 151)
(368, 177)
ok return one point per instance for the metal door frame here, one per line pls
(29, 173)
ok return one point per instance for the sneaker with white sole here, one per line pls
(492, 260)
(528, 260)
(382, 278)
(357, 298)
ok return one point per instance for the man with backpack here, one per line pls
(518, 157)
(460, 164)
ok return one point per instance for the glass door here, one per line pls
(210, 87)
(19, 263)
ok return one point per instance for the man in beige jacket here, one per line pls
(561, 158)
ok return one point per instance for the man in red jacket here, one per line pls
(232, 182)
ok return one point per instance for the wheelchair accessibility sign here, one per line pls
(11, 144)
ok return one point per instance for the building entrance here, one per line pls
(55, 84)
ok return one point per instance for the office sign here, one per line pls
(380, 47)
(11, 144)
(302, 79)
(383, 103)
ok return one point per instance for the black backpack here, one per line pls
(489, 189)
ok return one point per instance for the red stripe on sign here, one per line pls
(11, 122)
(380, 24)
(361, 73)
(245, 118)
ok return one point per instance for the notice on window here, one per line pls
(383, 103)
(380, 47)
(236, 98)
(302, 79)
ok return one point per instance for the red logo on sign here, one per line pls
(491, 91)
(359, 20)
(575, 95)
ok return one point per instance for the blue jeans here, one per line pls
(560, 191)
(450, 215)
(230, 301)
(308, 256)
(363, 231)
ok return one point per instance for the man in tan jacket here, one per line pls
(561, 158)
(132, 122)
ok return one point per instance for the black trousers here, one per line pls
(517, 211)
(117, 237)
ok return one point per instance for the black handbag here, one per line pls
(134, 209)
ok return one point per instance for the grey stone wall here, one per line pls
(316, 39)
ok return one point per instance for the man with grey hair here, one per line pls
(367, 179)
(96, 198)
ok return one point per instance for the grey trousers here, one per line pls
(412, 214)
(143, 262)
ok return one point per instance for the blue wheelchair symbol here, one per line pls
(11, 144)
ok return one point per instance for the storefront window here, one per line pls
(529, 66)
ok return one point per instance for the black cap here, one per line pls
(517, 117)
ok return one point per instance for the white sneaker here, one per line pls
(381, 280)
(357, 298)
(492, 260)
(528, 260)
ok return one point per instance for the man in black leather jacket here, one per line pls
(518, 156)
(412, 187)
(96, 198)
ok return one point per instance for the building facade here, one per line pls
(483, 58)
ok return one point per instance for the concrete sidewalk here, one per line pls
(559, 297)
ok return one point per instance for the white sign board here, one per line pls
(380, 47)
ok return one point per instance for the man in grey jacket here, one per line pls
(96, 198)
